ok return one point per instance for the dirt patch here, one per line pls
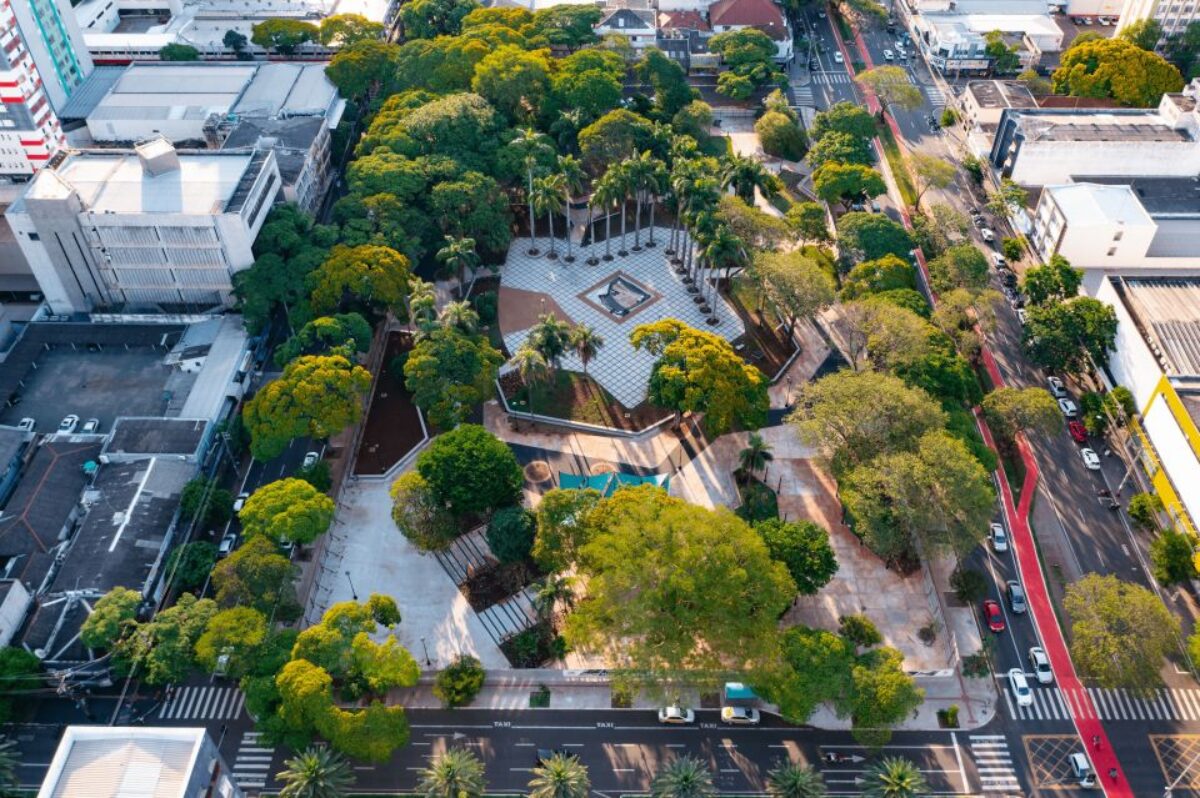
(492, 585)
(519, 310)
(574, 397)
(393, 427)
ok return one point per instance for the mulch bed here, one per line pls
(532, 648)
(765, 347)
(393, 427)
(490, 586)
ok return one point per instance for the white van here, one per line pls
(1081, 770)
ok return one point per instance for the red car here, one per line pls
(1078, 431)
(993, 615)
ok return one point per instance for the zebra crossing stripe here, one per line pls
(1011, 712)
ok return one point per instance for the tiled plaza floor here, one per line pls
(573, 288)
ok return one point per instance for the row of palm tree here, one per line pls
(539, 358)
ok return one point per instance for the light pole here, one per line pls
(353, 592)
(425, 649)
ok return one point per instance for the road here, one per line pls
(831, 82)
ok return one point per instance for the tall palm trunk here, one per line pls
(533, 248)
(607, 233)
(570, 258)
(550, 221)
(622, 251)
(592, 260)
(651, 242)
(637, 221)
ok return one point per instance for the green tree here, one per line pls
(560, 776)
(780, 136)
(892, 86)
(804, 548)
(1013, 410)
(162, 650)
(419, 516)
(907, 298)
(859, 630)
(1120, 632)
(256, 575)
(1061, 337)
(648, 615)
(836, 147)
(696, 371)
(457, 685)
(235, 634)
(316, 773)
(796, 284)
(567, 26)
(235, 40)
(930, 171)
(1172, 558)
(283, 35)
(455, 773)
(471, 471)
(743, 175)
(317, 396)
(1012, 248)
(792, 780)
(111, 618)
(884, 694)
(750, 56)
(1144, 509)
(449, 373)
(1054, 281)
(815, 669)
(895, 777)
(366, 276)
(613, 138)
(1006, 199)
(844, 117)
(868, 236)
(178, 52)
(960, 266)
(807, 220)
(1115, 68)
(1183, 48)
(342, 30)
(287, 509)
(202, 493)
(21, 672)
(1005, 57)
(685, 777)
(562, 526)
(587, 343)
(190, 564)
(970, 586)
(348, 332)
(888, 273)
(426, 19)
(513, 80)
(510, 534)
(668, 79)
(755, 456)
(364, 69)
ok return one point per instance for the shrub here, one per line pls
(969, 585)
(1142, 509)
(780, 136)
(459, 682)
(510, 534)
(485, 305)
(859, 630)
(948, 117)
(1171, 557)
(318, 475)
(1011, 248)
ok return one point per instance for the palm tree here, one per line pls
(792, 780)
(623, 187)
(894, 777)
(686, 777)
(422, 304)
(656, 184)
(586, 342)
(638, 168)
(457, 773)
(548, 199)
(456, 257)
(605, 193)
(744, 174)
(723, 250)
(316, 773)
(573, 176)
(550, 338)
(551, 591)
(755, 456)
(532, 367)
(560, 776)
(532, 145)
(461, 316)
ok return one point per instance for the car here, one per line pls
(91, 426)
(1090, 458)
(1022, 316)
(286, 546)
(1016, 597)
(544, 755)
(934, 124)
(1057, 389)
(240, 501)
(888, 55)
(1020, 687)
(998, 537)
(1017, 301)
(1010, 281)
(1081, 770)
(740, 716)
(26, 424)
(1105, 20)
(68, 424)
(822, 14)
(1041, 665)
(1078, 431)
(980, 220)
(227, 544)
(901, 53)
(311, 459)
(987, 235)
(838, 57)
(676, 716)
(999, 260)
(1087, 20)
(875, 207)
(993, 615)
(1068, 408)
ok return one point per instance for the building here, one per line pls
(55, 43)
(955, 40)
(635, 22)
(1157, 357)
(984, 101)
(1041, 147)
(951, 46)
(763, 15)
(1173, 15)
(149, 228)
(149, 762)
(289, 108)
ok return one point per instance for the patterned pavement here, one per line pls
(574, 287)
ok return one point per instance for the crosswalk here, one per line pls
(994, 763)
(936, 97)
(252, 765)
(203, 703)
(1053, 703)
(831, 78)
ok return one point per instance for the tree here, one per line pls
(960, 266)
(792, 780)
(419, 516)
(513, 80)
(364, 69)
(560, 776)
(1054, 281)
(755, 456)
(750, 56)
(1120, 632)
(178, 52)
(202, 493)
(647, 614)
(844, 117)
(111, 618)
(1005, 57)
(190, 564)
(815, 669)
(567, 26)
(1144, 509)
(1012, 248)
(287, 509)
(256, 575)
(1172, 558)
(317, 396)
(231, 641)
(1006, 199)
(449, 373)
(888, 273)
(348, 332)
(685, 777)
(836, 147)
(970, 586)
(743, 175)
(859, 630)
(426, 19)
(780, 136)
(796, 284)
(586, 342)
(562, 526)
(669, 80)
(283, 35)
(895, 777)
(804, 548)
(613, 138)
(930, 171)
(696, 371)
(1183, 48)
(1061, 337)
(872, 235)
(457, 685)
(1115, 68)
(808, 221)
(884, 694)
(162, 650)
(342, 645)
(470, 470)
(892, 86)
(532, 367)
(316, 773)
(21, 672)
(1013, 410)
(1037, 85)
(367, 276)
(342, 30)
(235, 40)
(510, 534)
(835, 182)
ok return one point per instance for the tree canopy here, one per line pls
(1120, 632)
(1054, 281)
(1013, 410)
(804, 548)
(892, 86)
(470, 470)
(872, 235)
(283, 35)
(1116, 68)
(287, 510)
(1060, 337)
(449, 373)
(366, 276)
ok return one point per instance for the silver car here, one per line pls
(1016, 598)
(676, 716)
(740, 716)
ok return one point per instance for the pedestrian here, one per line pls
(1096, 741)
(1112, 773)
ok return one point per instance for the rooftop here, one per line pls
(1162, 197)
(1091, 203)
(154, 436)
(761, 14)
(121, 762)
(1001, 94)
(1167, 314)
(1097, 124)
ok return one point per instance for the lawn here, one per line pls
(898, 165)
(574, 397)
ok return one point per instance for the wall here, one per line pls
(13, 610)
(138, 129)
(1093, 8)
(1167, 424)
(1132, 363)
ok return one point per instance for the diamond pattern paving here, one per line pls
(624, 372)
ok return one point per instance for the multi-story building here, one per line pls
(148, 228)
(1173, 15)
(55, 43)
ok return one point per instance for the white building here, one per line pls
(956, 39)
(636, 22)
(984, 101)
(122, 761)
(1173, 15)
(148, 228)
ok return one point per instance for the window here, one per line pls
(1117, 235)
(1112, 251)
(34, 237)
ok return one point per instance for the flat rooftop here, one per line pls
(1167, 314)
(1177, 197)
(156, 436)
(1094, 203)
(123, 762)
(1001, 94)
(1104, 124)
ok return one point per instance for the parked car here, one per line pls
(240, 501)
(676, 716)
(999, 260)
(837, 56)
(1041, 665)
(1009, 280)
(888, 55)
(311, 459)
(1090, 459)
(286, 546)
(1016, 597)
(1057, 389)
(68, 424)
(740, 716)
(993, 615)
(1078, 431)
(1020, 687)
(227, 544)
(998, 537)
(1022, 316)
(987, 234)
(934, 124)
(979, 219)
(26, 424)
(1068, 408)
(1105, 21)
(1081, 770)
(91, 426)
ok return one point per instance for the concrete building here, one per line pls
(984, 101)
(124, 761)
(955, 40)
(289, 108)
(1173, 15)
(634, 21)
(1041, 147)
(149, 228)
(55, 43)
(951, 45)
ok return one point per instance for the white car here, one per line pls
(68, 424)
(1090, 459)
(999, 260)
(1022, 316)
(740, 716)
(677, 716)
(1020, 687)
(1041, 665)
(1057, 389)
(888, 55)
(310, 460)
(1068, 408)
(91, 426)
(838, 57)
(26, 424)
(987, 235)
(227, 544)
(240, 501)
(999, 538)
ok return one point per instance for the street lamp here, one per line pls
(353, 592)
(425, 649)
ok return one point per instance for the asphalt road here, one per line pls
(831, 82)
